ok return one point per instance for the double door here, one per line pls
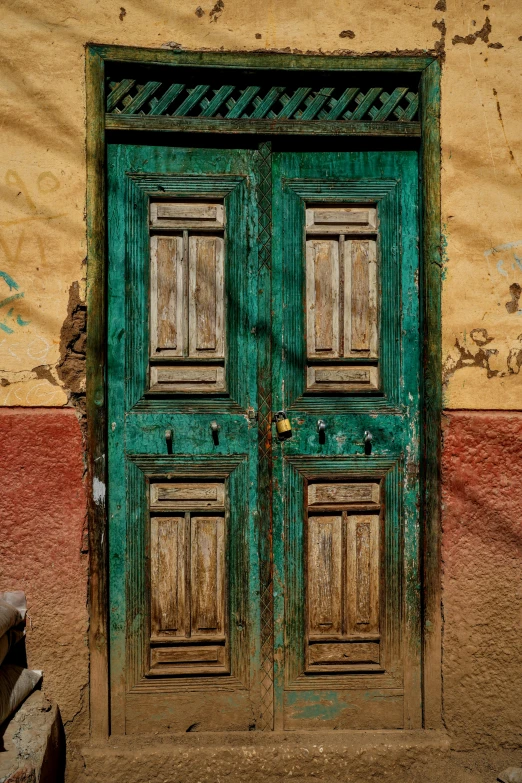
(260, 579)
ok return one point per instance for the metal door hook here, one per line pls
(214, 426)
(321, 429)
(168, 440)
(368, 437)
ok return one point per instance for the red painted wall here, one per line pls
(41, 550)
(482, 577)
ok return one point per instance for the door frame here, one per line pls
(428, 69)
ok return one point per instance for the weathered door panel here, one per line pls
(182, 492)
(346, 363)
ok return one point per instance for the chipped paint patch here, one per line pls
(98, 491)
(495, 357)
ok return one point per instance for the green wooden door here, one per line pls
(256, 583)
(346, 364)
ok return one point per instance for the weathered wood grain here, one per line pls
(96, 395)
(341, 220)
(347, 64)
(186, 379)
(322, 263)
(342, 292)
(362, 573)
(344, 653)
(344, 379)
(325, 574)
(187, 654)
(262, 127)
(167, 296)
(361, 332)
(186, 215)
(341, 493)
(207, 587)
(431, 446)
(167, 572)
(186, 495)
(344, 709)
(359, 311)
(188, 660)
(206, 297)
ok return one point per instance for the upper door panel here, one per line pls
(349, 253)
(190, 256)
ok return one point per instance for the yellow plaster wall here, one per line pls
(42, 160)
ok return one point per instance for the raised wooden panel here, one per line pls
(206, 305)
(325, 574)
(187, 298)
(187, 578)
(186, 495)
(167, 558)
(344, 653)
(187, 659)
(343, 562)
(342, 298)
(361, 323)
(322, 293)
(341, 494)
(341, 220)
(187, 654)
(187, 379)
(186, 215)
(167, 297)
(207, 589)
(342, 379)
(362, 569)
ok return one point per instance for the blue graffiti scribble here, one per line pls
(500, 248)
(12, 298)
(500, 268)
(13, 286)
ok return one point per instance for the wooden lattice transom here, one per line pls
(130, 97)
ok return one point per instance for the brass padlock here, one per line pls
(283, 426)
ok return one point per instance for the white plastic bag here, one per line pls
(16, 684)
(13, 607)
(9, 616)
(8, 640)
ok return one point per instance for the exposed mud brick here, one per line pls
(482, 577)
(43, 518)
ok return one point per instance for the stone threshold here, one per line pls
(255, 757)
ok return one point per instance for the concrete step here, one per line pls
(256, 757)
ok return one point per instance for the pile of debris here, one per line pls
(16, 681)
(31, 733)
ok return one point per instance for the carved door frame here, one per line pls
(421, 125)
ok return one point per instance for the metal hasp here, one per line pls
(283, 426)
(321, 429)
(368, 438)
(168, 440)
